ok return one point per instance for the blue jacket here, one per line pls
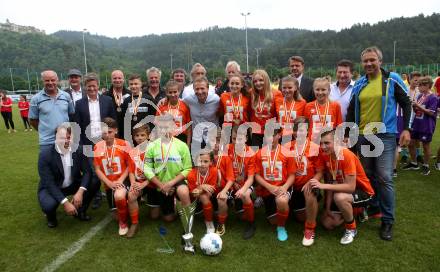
(394, 92)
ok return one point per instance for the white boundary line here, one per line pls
(77, 246)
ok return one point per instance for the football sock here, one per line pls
(350, 225)
(249, 212)
(222, 218)
(134, 216)
(310, 225)
(207, 212)
(121, 206)
(282, 218)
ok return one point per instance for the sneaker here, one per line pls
(411, 166)
(437, 166)
(404, 160)
(309, 237)
(395, 173)
(348, 236)
(25, 129)
(210, 227)
(425, 170)
(221, 229)
(30, 129)
(9, 131)
(282, 234)
(249, 231)
(134, 228)
(123, 228)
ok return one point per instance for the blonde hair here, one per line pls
(321, 80)
(268, 95)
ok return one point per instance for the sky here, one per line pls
(137, 18)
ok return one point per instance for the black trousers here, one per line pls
(49, 205)
(26, 122)
(7, 117)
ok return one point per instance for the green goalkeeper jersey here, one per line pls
(166, 161)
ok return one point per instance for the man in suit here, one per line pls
(74, 90)
(89, 112)
(296, 66)
(64, 171)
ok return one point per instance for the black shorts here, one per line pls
(360, 199)
(109, 194)
(156, 199)
(298, 202)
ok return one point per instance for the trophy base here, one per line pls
(187, 245)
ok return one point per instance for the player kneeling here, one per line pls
(202, 182)
(349, 186)
(167, 165)
(243, 163)
(138, 181)
(275, 173)
(111, 165)
(304, 203)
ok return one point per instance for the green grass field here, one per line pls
(26, 244)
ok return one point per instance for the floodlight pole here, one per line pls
(247, 49)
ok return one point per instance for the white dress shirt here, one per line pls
(66, 159)
(76, 95)
(95, 117)
(343, 98)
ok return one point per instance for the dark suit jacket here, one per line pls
(50, 169)
(82, 114)
(306, 89)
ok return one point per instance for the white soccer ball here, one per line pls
(211, 244)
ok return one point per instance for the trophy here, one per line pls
(187, 217)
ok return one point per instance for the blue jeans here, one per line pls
(380, 172)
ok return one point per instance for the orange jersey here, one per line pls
(263, 112)
(112, 161)
(243, 167)
(305, 160)
(235, 110)
(180, 113)
(287, 112)
(195, 179)
(224, 164)
(136, 165)
(321, 116)
(274, 167)
(348, 164)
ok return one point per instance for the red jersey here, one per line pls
(24, 105)
(348, 164)
(180, 113)
(274, 167)
(287, 112)
(264, 112)
(6, 102)
(305, 158)
(235, 110)
(136, 166)
(113, 160)
(243, 167)
(224, 165)
(320, 116)
(195, 179)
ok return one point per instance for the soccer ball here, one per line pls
(211, 244)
